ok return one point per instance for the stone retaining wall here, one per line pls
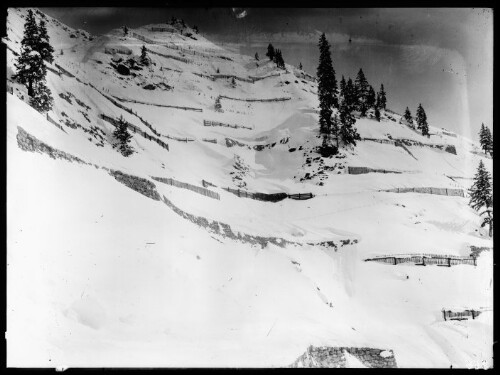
(334, 357)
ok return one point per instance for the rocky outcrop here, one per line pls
(141, 185)
(334, 357)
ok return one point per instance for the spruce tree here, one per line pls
(123, 137)
(408, 117)
(144, 56)
(377, 114)
(347, 131)
(30, 67)
(195, 29)
(382, 100)
(342, 90)
(46, 50)
(371, 98)
(481, 195)
(270, 52)
(361, 89)
(350, 94)
(485, 139)
(300, 66)
(422, 120)
(327, 86)
(125, 30)
(42, 100)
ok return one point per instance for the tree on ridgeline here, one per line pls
(422, 120)
(123, 137)
(327, 88)
(481, 195)
(278, 59)
(485, 139)
(300, 66)
(408, 117)
(361, 88)
(256, 56)
(270, 52)
(46, 50)
(125, 30)
(377, 114)
(381, 98)
(30, 67)
(195, 29)
(144, 56)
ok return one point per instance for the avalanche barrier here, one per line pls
(429, 190)
(185, 185)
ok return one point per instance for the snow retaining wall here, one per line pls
(363, 170)
(141, 185)
(425, 260)
(335, 357)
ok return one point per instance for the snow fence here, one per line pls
(185, 185)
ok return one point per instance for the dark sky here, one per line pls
(441, 57)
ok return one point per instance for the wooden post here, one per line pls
(444, 315)
(475, 264)
(449, 262)
(395, 261)
(423, 261)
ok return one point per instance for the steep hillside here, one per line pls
(107, 265)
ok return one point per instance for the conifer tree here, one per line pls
(300, 66)
(125, 30)
(327, 86)
(361, 89)
(256, 56)
(233, 82)
(377, 114)
(408, 117)
(347, 131)
(422, 120)
(144, 56)
(342, 90)
(195, 29)
(270, 52)
(46, 50)
(481, 195)
(485, 139)
(30, 67)
(123, 137)
(350, 94)
(371, 98)
(382, 100)
(42, 100)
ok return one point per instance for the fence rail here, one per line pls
(429, 190)
(53, 122)
(159, 105)
(424, 260)
(301, 196)
(209, 140)
(113, 50)
(185, 185)
(215, 123)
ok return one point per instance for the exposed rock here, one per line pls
(123, 69)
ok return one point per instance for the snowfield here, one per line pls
(100, 275)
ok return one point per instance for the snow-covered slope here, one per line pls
(99, 274)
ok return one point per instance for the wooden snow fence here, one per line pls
(51, 69)
(460, 315)
(64, 71)
(159, 105)
(209, 140)
(113, 50)
(363, 170)
(218, 76)
(256, 100)
(215, 123)
(424, 260)
(136, 130)
(178, 58)
(448, 133)
(429, 190)
(53, 122)
(301, 196)
(163, 29)
(255, 79)
(179, 139)
(257, 196)
(185, 185)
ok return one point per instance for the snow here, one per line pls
(99, 275)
